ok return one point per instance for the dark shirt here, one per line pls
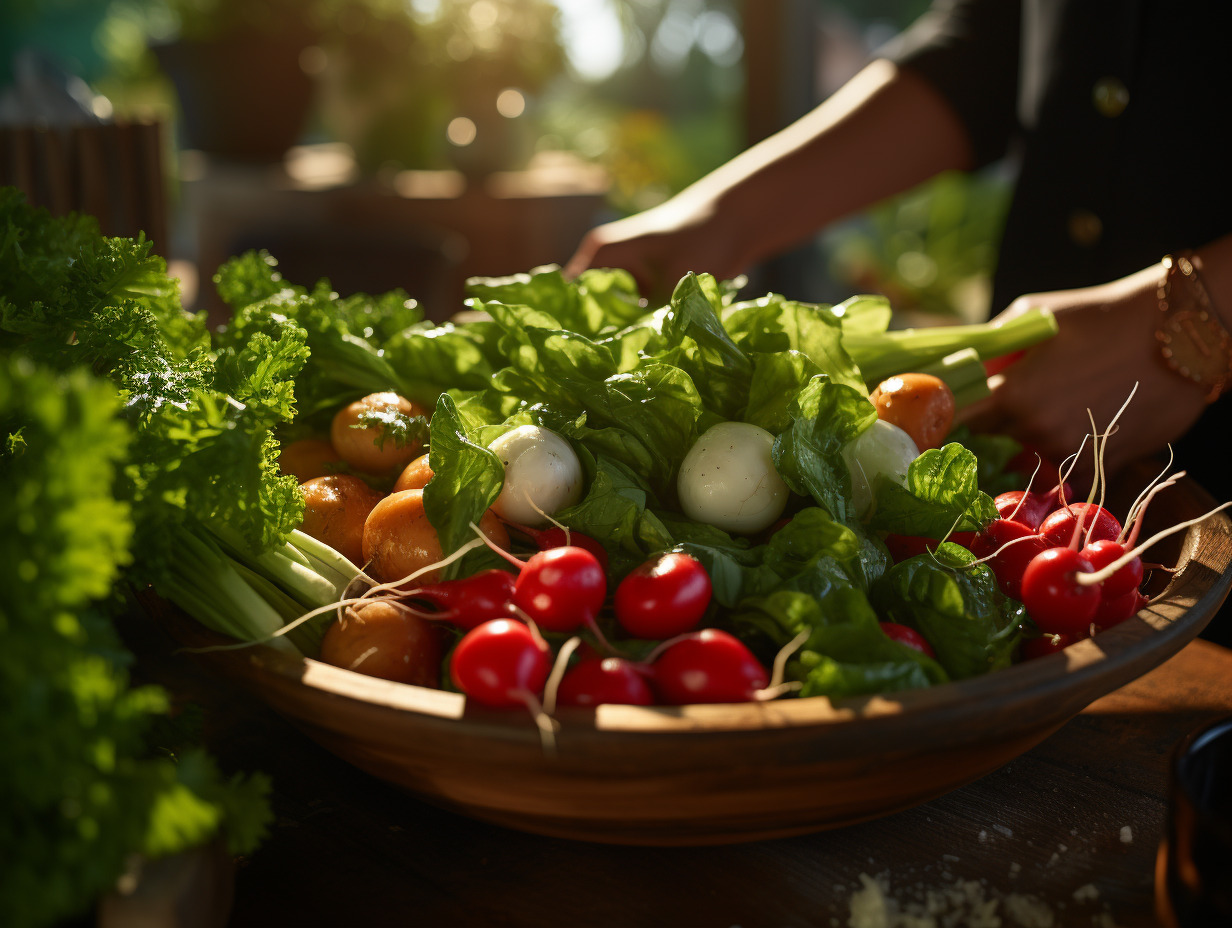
(1113, 111)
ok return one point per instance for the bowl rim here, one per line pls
(1197, 587)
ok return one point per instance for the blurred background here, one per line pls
(413, 143)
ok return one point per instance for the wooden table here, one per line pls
(1071, 829)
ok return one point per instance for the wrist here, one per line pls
(1194, 339)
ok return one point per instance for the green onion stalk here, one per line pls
(885, 354)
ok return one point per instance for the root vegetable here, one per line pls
(470, 601)
(399, 540)
(561, 588)
(502, 664)
(728, 479)
(335, 510)
(364, 440)
(663, 597)
(381, 640)
(881, 449)
(1055, 600)
(904, 634)
(309, 458)
(920, 404)
(708, 666)
(542, 475)
(605, 680)
(414, 476)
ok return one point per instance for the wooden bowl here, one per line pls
(712, 774)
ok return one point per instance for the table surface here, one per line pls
(1068, 831)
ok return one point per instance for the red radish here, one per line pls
(501, 663)
(600, 680)
(1045, 645)
(1022, 506)
(1008, 547)
(663, 597)
(558, 537)
(908, 636)
(561, 588)
(470, 601)
(1114, 610)
(1103, 552)
(708, 666)
(1055, 600)
(1058, 528)
(1060, 495)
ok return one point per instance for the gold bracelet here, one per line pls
(1193, 342)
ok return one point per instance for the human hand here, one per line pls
(1105, 344)
(662, 244)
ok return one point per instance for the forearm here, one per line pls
(882, 133)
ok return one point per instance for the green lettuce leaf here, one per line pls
(466, 479)
(942, 495)
(773, 324)
(846, 652)
(702, 347)
(956, 605)
(824, 417)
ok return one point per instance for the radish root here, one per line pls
(1099, 576)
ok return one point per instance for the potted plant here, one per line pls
(237, 70)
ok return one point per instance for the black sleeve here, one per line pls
(969, 51)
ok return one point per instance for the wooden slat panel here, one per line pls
(113, 172)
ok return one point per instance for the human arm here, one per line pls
(883, 132)
(1105, 343)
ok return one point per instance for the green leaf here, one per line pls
(773, 324)
(466, 480)
(846, 652)
(956, 605)
(703, 348)
(824, 417)
(614, 513)
(942, 495)
(777, 380)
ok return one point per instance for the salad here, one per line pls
(570, 431)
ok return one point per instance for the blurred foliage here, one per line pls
(931, 251)
(670, 112)
(393, 80)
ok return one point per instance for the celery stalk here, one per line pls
(206, 585)
(963, 372)
(896, 352)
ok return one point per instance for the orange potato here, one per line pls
(335, 510)
(415, 476)
(358, 444)
(309, 458)
(384, 641)
(920, 404)
(399, 539)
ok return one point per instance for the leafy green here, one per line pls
(824, 417)
(942, 495)
(343, 363)
(846, 652)
(466, 480)
(85, 787)
(773, 324)
(704, 349)
(994, 454)
(956, 605)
